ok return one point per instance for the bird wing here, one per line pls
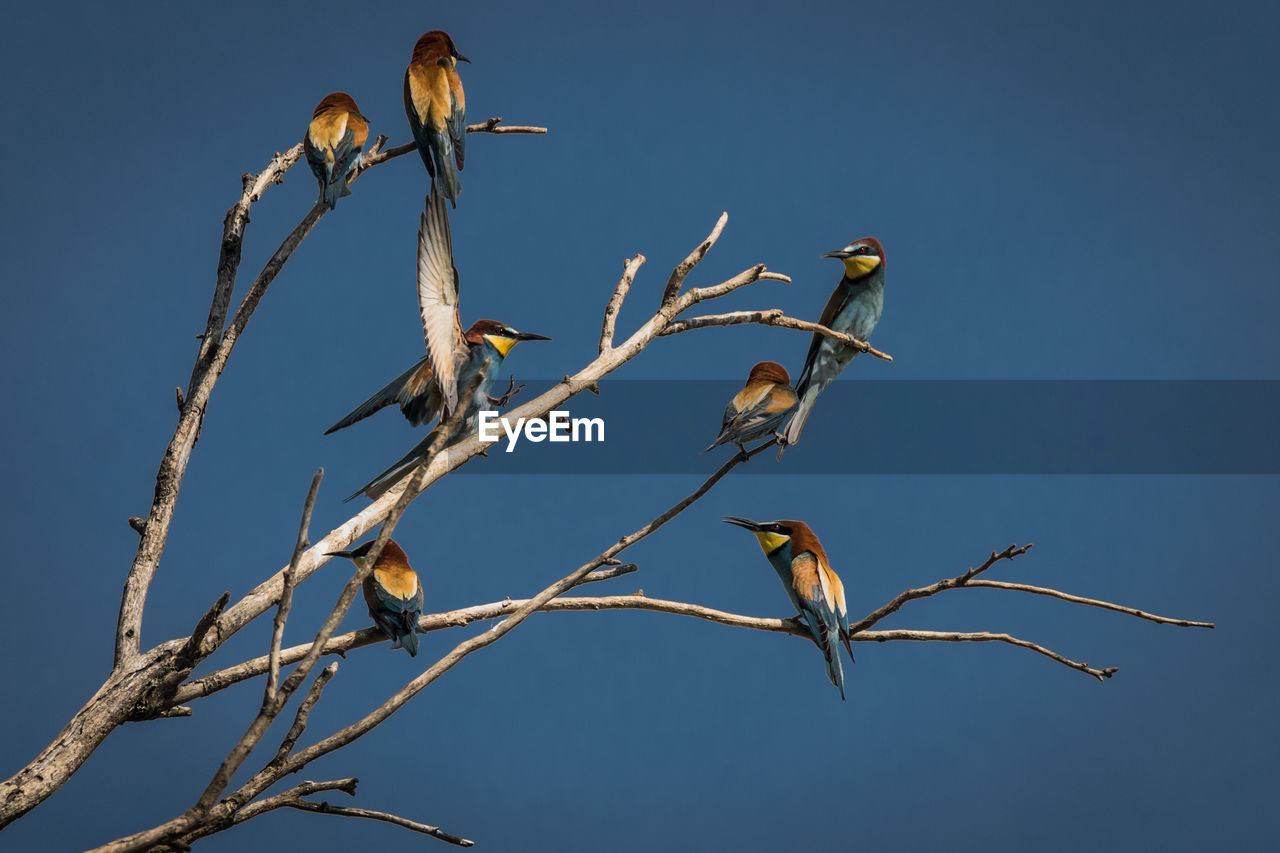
(393, 392)
(838, 298)
(438, 297)
(813, 590)
(419, 396)
(835, 597)
(415, 123)
(754, 411)
(457, 117)
(345, 154)
(315, 158)
(780, 400)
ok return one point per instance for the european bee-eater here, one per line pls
(814, 588)
(437, 108)
(760, 407)
(416, 391)
(333, 143)
(392, 591)
(854, 308)
(454, 358)
(488, 343)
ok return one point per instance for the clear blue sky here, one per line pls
(1081, 191)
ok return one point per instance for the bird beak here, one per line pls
(838, 253)
(530, 336)
(747, 523)
(347, 554)
(461, 58)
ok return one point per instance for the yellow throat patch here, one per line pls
(770, 542)
(502, 344)
(860, 265)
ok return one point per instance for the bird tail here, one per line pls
(794, 428)
(835, 671)
(379, 485)
(334, 189)
(446, 175)
(383, 397)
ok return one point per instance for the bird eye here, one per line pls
(776, 528)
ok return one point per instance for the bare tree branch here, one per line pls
(286, 591)
(192, 652)
(215, 348)
(610, 573)
(208, 809)
(305, 789)
(491, 125)
(458, 454)
(134, 678)
(986, 637)
(347, 811)
(961, 579)
(260, 807)
(1090, 602)
(304, 712)
(682, 270)
(268, 776)
(233, 228)
(771, 317)
(629, 269)
(748, 276)
(462, 617)
(498, 609)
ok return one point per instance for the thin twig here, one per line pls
(610, 573)
(305, 789)
(1090, 602)
(303, 714)
(286, 592)
(190, 654)
(233, 228)
(748, 276)
(491, 125)
(259, 807)
(347, 811)
(961, 579)
(682, 270)
(629, 269)
(771, 317)
(985, 637)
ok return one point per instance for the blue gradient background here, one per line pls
(1076, 191)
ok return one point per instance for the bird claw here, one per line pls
(506, 396)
